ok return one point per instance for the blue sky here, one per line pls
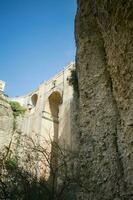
(36, 41)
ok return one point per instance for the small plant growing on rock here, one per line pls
(11, 164)
(17, 108)
(73, 80)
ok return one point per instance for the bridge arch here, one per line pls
(34, 99)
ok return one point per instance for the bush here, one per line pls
(11, 164)
(17, 108)
(74, 81)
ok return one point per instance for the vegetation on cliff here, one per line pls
(22, 179)
(73, 80)
(17, 108)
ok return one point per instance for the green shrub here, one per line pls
(74, 81)
(17, 108)
(11, 164)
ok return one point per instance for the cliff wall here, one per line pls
(6, 123)
(104, 31)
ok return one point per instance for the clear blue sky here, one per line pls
(36, 41)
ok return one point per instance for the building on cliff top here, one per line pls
(2, 86)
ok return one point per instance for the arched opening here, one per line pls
(55, 101)
(50, 128)
(34, 99)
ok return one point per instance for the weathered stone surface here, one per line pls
(104, 32)
(6, 123)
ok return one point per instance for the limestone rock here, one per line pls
(6, 123)
(104, 31)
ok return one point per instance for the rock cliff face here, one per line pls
(104, 62)
(6, 123)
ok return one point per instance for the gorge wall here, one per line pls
(6, 122)
(104, 39)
